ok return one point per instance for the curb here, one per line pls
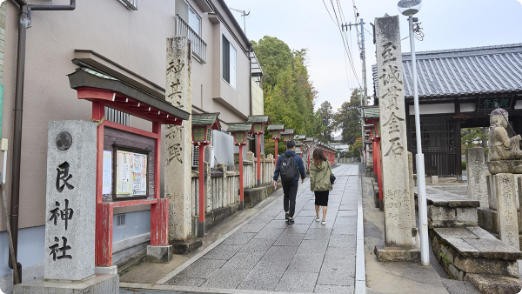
(360, 267)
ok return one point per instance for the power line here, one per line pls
(345, 43)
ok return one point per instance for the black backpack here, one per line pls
(288, 169)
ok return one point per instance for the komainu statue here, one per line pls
(504, 152)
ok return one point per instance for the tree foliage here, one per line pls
(348, 119)
(288, 92)
(326, 114)
(472, 137)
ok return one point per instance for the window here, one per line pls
(229, 63)
(194, 21)
(130, 4)
(199, 134)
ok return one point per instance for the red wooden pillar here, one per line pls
(103, 251)
(201, 225)
(104, 211)
(258, 160)
(241, 184)
(159, 212)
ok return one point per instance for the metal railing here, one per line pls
(199, 47)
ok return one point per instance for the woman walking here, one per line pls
(320, 183)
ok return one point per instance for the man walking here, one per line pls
(289, 166)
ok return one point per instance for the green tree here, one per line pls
(326, 114)
(288, 92)
(472, 137)
(356, 148)
(348, 119)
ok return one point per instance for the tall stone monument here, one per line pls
(178, 141)
(477, 184)
(70, 214)
(396, 184)
(507, 209)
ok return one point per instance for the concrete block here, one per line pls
(109, 284)
(106, 270)
(493, 284)
(466, 216)
(185, 247)
(397, 254)
(487, 219)
(487, 266)
(159, 253)
(434, 180)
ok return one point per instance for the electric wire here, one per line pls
(345, 44)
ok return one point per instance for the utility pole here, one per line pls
(364, 93)
(244, 14)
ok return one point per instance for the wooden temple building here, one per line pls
(458, 88)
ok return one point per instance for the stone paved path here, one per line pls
(267, 254)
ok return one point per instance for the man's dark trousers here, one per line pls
(290, 190)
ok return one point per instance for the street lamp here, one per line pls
(409, 8)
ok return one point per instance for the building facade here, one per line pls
(124, 39)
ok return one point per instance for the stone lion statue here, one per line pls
(501, 146)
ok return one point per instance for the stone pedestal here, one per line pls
(492, 192)
(94, 284)
(505, 166)
(178, 140)
(476, 167)
(507, 210)
(159, 253)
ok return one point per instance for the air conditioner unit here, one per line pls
(209, 155)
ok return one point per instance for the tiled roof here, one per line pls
(244, 127)
(480, 70)
(300, 137)
(277, 127)
(258, 119)
(205, 119)
(371, 112)
(288, 131)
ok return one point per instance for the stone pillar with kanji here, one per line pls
(178, 141)
(399, 229)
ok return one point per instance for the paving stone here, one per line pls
(304, 213)
(334, 265)
(341, 253)
(334, 278)
(344, 230)
(260, 281)
(186, 281)
(306, 263)
(225, 278)
(223, 251)
(291, 282)
(243, 261)
(239, 238)
(280, 253)
(318, 234)
(253, 227)
(276, 224)
(312, 247)
(289, 239)
(333, 289)
(258, 245)
(344, 241)
(202, 268)
(305, 220)
(296, 229)
(269, 233)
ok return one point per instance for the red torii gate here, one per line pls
(103, 90)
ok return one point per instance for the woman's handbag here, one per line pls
(332, 177)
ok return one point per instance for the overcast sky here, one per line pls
(447, 24)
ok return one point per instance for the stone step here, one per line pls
(493, 284)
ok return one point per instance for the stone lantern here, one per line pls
(276, 135)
